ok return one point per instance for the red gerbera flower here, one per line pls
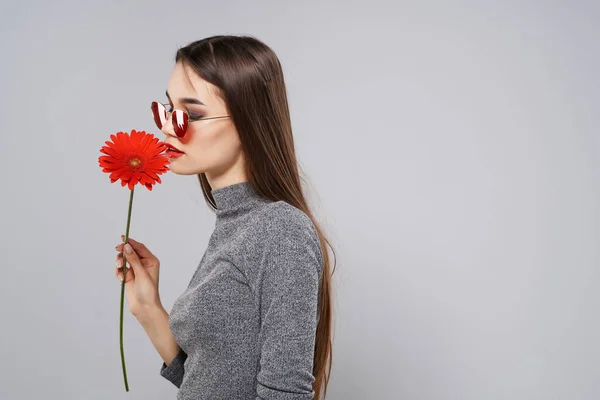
(134, 158)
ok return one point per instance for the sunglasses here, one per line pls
(180, 118)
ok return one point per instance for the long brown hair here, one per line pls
(249, 78)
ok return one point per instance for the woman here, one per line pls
(255, 319)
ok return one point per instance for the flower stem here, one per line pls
(124, 272)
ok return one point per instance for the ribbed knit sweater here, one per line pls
(246, 322)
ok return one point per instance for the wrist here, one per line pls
(149, 315)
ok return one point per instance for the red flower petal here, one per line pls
(135, 158)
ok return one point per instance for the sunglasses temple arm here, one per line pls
(225, 116)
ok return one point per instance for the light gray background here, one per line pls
(452, 154)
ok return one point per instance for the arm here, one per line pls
(156, 325)
(289, 296)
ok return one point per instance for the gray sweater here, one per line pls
(246, 322)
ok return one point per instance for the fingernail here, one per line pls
(128, 248)
(121, 277)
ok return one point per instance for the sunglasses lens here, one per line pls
(159, 113)
(180, 122)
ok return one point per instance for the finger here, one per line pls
(129, 273)
(132, 258)
(140, 248)
(120, 261)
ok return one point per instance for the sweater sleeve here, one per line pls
(288, 297)
(174, 371)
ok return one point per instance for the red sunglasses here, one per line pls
(180, 118)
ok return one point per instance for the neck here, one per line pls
(235, 200)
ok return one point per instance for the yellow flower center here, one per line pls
(136, 163)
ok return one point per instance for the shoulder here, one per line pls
(280, 215)
(282, 224)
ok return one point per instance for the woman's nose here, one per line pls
(167, 127)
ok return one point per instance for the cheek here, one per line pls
(214, 144)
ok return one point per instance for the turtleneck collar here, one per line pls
(236, 199)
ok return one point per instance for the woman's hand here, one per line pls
(141, 281)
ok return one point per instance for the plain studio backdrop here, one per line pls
(450, 150)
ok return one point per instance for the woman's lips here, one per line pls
(173, 148)
(173, 154)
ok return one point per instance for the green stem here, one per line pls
(124, 272)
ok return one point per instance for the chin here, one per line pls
(181, 170)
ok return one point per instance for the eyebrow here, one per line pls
(186, 100)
